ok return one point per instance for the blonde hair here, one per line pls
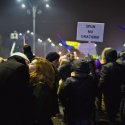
(64, 61)
(44, 72)
(2, 60)
(103, 55)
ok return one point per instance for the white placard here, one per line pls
(88, 31)
(87, 48)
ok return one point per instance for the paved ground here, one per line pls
(101, 119)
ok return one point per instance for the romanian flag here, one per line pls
(69, 44)
(85, 48)
(74, 44)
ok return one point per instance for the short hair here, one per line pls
(52, 56)
(26, 47)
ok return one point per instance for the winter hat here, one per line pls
(111, 55)
(20, 55)
(52, 56)
(81, 66)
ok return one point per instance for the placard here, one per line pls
(88, 31)
(87, 48)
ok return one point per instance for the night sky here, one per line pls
(62, 17)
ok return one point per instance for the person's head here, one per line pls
(26, 48)
(64, 61)
(70, 56)
(109, 55)
(54, 58)
(41, 70)
(19, 57)
(81, 66)
(65, 70)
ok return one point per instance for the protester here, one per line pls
(27, 51)
(70, 56)
(78, 95)
(121, 61)
(16, 99)
(110, 83)
(42, 78)
(53, 57)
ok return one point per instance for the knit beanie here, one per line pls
(52, 56)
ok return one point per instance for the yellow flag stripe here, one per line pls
(73, 43)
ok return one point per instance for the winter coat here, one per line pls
(78, 97)
(15, 93)
(43, 104)
(111, 78)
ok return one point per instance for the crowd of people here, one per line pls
(34, 89)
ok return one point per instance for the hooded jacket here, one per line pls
(15, 93)
(111, 78)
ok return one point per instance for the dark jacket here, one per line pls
(111, 75)
(29, 55)
(54, 92)
(65, 71)
(111, 78)
(78, 97)
(43, 104)
(15, 93)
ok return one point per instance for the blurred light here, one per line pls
(19, 0)
(49, 40)
(77, 57)
(32, 33)
(74, 52)
(20, 34)
(46, 0)
(64, 56)
(60, 44)
(47, 6)
(28, 31)
(95, 45)
(23, 5)
(60, 52)
(39, 40)
(123, 44)
(52, 44)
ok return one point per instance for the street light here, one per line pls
(24, 35)
(34, 6)
(14, 37)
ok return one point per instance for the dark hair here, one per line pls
(111, 55)
(81, 66)
(65, 70)
(27, 48)
(52, 56)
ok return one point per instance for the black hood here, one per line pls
(110, 55)
(18, 59)
(81, 66)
